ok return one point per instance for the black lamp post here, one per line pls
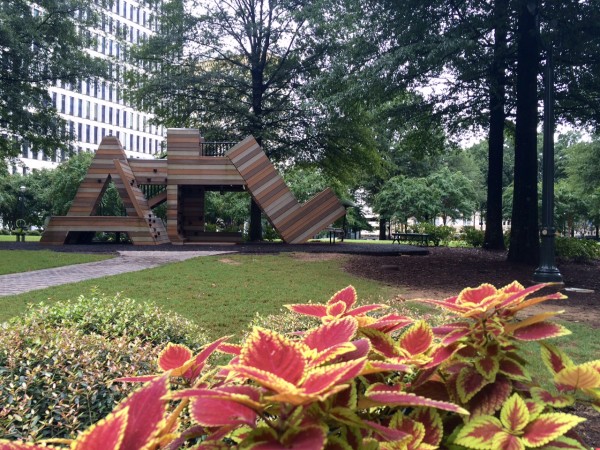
(547, 270)
(21, 209)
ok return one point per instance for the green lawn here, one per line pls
(15, 261)
(8, 238)
(221, 296)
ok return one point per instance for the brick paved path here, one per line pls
(127, 261)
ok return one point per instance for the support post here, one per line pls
(547, 270)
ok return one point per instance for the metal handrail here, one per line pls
(215, 148)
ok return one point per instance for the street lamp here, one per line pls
(20, 222)
(547, 270)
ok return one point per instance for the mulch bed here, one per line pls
(445, 271)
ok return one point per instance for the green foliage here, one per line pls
(57, 363)
(578, 250)
(56, 380)
(438, 234)
(41, 43)
(115, 316)
(473, 236)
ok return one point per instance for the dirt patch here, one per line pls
(231, 262)
(311, 257)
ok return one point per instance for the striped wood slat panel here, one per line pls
(294, 222)
(60, 226)
(155, 227)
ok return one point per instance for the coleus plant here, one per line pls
(359, 382)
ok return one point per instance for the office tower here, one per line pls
(96, 108)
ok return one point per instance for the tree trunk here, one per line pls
(494, 239)
(255, 229)
(524, 238)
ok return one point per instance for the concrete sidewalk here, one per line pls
(127, 261)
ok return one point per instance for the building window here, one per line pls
(110, 113)
(103, 114)
(87, 133)
(79, 131)
(95, 135)
(131, 142)
(117, 116)
(79, 108)
(63, 103)
(71, 106)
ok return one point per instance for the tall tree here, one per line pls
(494, 237)
(240, 67)
(41, 42)
(524, 238)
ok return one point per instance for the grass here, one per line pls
(222, 294)
(16, 261)
(8, 238)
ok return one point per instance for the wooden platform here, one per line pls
(185, 176)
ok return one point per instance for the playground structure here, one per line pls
(181, 181)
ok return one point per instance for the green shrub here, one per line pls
(56, 381)
(441, 234)
(473, 236)
(56, 362)
(4, 232)
(34, 233)
(577, 250)
(115, 316)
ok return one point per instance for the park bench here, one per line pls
(334, 233)
(418, 238)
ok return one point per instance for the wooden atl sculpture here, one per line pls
(182, 180)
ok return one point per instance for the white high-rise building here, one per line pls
(96, 108)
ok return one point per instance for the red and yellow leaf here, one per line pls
(273, 353)
(514, 414)
(540, 330)
(173, 356)
(381, 342)
(331, 334)
(514, 369)
(347, 296)
(417, 339)
(548, 427)
(488, 367)
(308, 309)
(506, 441)
(554, 358)
(361, 310)
(393, 395)
(583, 376)
(390, 323)
(322, 378)
(531, 320)
(432, 423)
(477, 295)
(219, 411)
(107, 434)
(564, 443)
(469, 383)
(547, 398)
(336, 309)
(479, 433)
(147, 411)
(491, 398)
(387, 434)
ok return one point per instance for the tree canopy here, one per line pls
(40, 43)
